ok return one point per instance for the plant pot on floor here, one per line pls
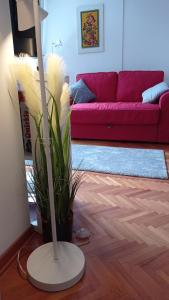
(64, 230)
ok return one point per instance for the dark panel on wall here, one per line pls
(24, 41)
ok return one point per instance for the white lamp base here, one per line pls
(52, 275)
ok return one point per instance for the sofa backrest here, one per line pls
(102, 84)
(131, 84)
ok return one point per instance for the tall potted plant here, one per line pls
(65, 182)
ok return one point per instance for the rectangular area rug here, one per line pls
(148, 163)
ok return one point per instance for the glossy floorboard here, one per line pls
(128, 254)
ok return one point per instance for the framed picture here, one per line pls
(90, 28)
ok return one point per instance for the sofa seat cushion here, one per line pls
(102, 84)
(115, 113)
(131, 84)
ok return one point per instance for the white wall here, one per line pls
(14, 218)
(62, 24)
(146, 35)
(144, 44)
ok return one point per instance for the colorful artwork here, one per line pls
(90, 28)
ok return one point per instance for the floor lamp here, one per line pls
(58, 265)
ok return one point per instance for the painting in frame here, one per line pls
(90, 28)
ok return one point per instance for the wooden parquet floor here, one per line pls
(128, 254)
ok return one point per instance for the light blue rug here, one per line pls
(120, 161)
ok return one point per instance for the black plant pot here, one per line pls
(46, 231)
(64, 230)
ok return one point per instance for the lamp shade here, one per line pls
(26, 15)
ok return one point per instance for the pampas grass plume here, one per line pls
(65, 105)
(55, 77)
(24, 74)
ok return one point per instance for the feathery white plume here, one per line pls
(55, 77)
(65, 105)
(25, 75)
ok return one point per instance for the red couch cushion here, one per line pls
(102, 84)
(115, 113)
(131, 84)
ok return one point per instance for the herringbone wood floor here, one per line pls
(128, 255)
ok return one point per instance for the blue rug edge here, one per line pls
(162, 152)
(29, 162)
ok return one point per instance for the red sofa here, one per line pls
(118, 113)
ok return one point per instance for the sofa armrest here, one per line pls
(163, 126)
(164, 101)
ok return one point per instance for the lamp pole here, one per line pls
(57, 265)
(45, 124)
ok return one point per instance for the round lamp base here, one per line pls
(49, 274)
